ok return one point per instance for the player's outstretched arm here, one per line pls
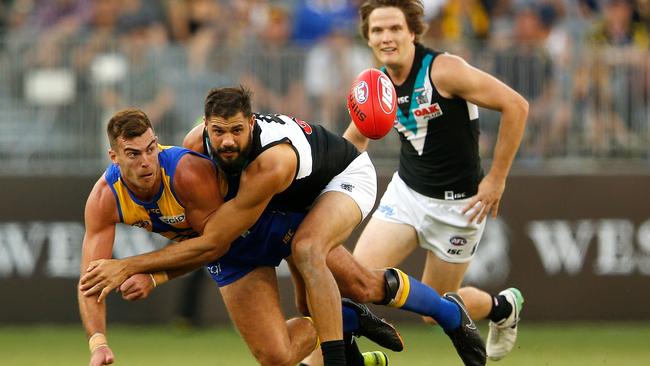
(453, 77)
(353, 135)
(195, 185)
(100, 218)
(270, 173)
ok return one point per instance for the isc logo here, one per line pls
(386, 96)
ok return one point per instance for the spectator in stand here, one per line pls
(270, 63)
(615, 80)
(316, 19)
(141, 38)
(329, 70)
(461, 20)
(527, 67)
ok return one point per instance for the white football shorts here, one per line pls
(359, 181)
(440, 225)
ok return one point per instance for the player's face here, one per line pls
(138, 161)
(389, 37)
(230, 140)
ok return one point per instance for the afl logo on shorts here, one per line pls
(361, 92)
(458, 241)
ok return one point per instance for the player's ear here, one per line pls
(112, 155)
(205, 121)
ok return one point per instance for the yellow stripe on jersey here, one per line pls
(167, 211)
(171, 211)
(132, 213)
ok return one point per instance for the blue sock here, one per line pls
(350, 319)
(422, 299)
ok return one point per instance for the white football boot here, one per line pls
(502, 335)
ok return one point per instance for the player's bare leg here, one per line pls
(328, 224)
(447, 277)
(365, 286)
(261, 322)
(385, 244)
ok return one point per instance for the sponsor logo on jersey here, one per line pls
(386, 95)
(457, 240)
(142, 224)
(171, 220)
(361, 92)
(304, 125)
(429, 112)
(421, 95)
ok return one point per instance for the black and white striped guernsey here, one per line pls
(321, 156)
(439, 154)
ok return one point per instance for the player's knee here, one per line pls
(308, 254)
(273, 356)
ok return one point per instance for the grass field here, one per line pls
(539, 344)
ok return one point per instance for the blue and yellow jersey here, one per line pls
(164, 214)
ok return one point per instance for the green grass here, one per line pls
(539, 344)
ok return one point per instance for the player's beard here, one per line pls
(232, 167)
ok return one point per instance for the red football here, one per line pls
(372, 103)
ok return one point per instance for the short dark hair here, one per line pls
(227, 102)
(127, 123)
(413, 12)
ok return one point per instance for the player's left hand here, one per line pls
(486, 200)
(137, 287)
(103, 276)
(102, 355)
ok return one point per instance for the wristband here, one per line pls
(158, 278)
(97, 340)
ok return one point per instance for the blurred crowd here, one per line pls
(65, 65)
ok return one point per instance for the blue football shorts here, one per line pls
(263, 245)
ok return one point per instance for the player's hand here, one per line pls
(103, 276)
(486, 200)
(137, 287)
(102, 356)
